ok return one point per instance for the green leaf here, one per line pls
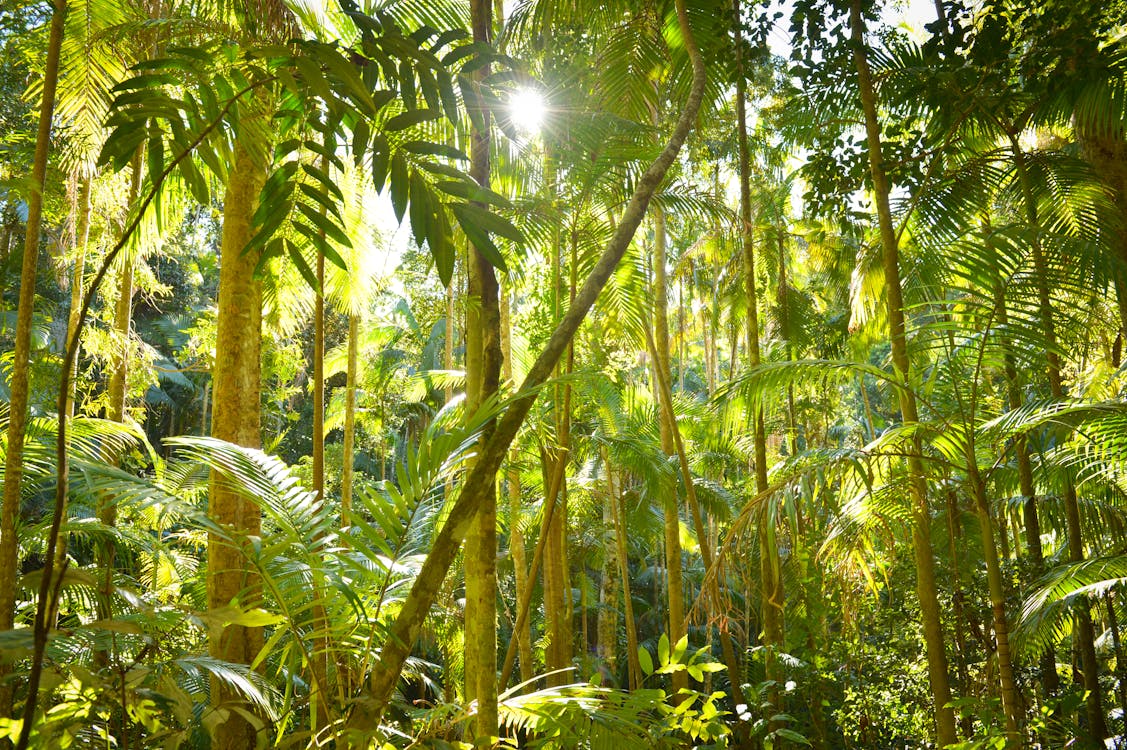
(471, 191)
(479, 238)
(322, 245)
(399, 185)
(302, 267)
(321, 176)
(381, 159)
(320, 199)
(793, 736)
(323, 223)
(645, 661)
(420, 206)
(360, 135)
(680, 648)
(428, 148)
(410, 119)
(195, 181)
(491, 222)
(441, 246)
(663, 649)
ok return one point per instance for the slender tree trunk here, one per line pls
(404, 631)
(618, 515)
(81, 243)
(117, 393)
(771, 580)
(1084, 634)
(608, 581)
(1010, 699)
(320, 689)
(123, 321)
(674, 587)
(522, 635)
(553, 472)
(483, 370)
(716, 594)
(319, 382)
(18, 382)
(967, 722)
(115, 411)
(349, 450)
(926, 586)
(557, 613)
(235, 418)
(1050, 681)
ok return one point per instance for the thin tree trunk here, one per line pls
(522, 635)
(1010, 704)
(483, 371)
(967, 722)
(81, 242)
(320, 691)
(608, 582)
(1049, 678)
(618, 514)
(21, 355)
(404, 631)
(716, 593)
(235, 418)
(675, 588)
(926, 586)
(771, 579)
(349, 449)
(553, 478)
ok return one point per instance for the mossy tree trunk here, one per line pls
(236, 410)
(483, 370)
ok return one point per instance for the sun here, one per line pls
(527, 109)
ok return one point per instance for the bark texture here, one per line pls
(235, 418)
(483, 370)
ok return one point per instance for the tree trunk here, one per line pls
(516, 535)
(1010, 705)
(557, 655)
(81, 244)
(235, 418)
(320, 689)
(716, 594)
(618, 516)
(404, 631)
(349, 450)
(921, 527)
(18, 381)
(966, 722)
(1048, 660)
(607, 647)
(771, 579)
(667, 420)
(483, 370)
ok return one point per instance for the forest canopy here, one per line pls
(563, 374)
